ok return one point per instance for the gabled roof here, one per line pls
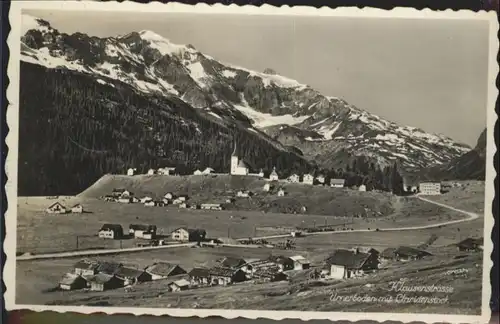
(388, 253)
(101, 278)
(300, 259)
(56, 204)
(125, 272)
(348, 258)
(86, 264)
(200, 272)
(230, 262)
(69, 278)
(274, 172)
(142, 227)
(109, 267)
(162, 268)
(222, 272)
(471, 242)
(114, 227)
(280, 259)
(181, 283)
(409, 251)
(242, 164)
(77, 205)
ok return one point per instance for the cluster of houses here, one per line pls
(159, 171)
(124, 196)
(100, 276)
(341, 264)
(58, 208)
(150, 232)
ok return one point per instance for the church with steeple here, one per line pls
(238, 167)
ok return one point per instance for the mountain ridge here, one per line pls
(326, 129)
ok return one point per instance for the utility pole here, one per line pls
(77, 242)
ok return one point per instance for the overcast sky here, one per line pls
(430, 74)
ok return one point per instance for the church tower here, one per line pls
(234, 160)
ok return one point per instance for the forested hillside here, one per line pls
(74, 129)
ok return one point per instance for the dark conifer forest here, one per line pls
(73, 130)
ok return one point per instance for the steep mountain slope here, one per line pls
(325, 129)
(470, 166)
(74, 129)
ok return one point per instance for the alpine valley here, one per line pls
(141, 100)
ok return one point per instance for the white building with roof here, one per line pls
(274, 175)
(238, 167)
(308, 179)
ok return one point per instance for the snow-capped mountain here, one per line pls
(326, 129)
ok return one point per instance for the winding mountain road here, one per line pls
(470, 216)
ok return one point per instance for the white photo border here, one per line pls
(11, 167)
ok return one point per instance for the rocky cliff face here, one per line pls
(469, 166)
(326, 129)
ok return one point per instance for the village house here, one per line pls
(169, 196)
(102, 282)
(184, 234)
(183, 205)
(86, 267)
(163, 270)
(155, 203)
(199, 277)
(134, 199)
(271, 274)
(109, 268)
(72, 281)
(197, 172)
(151, 172)
(147, 232)
(243, 193)
(300, 263)
(109, 198)
(267, 187)
(345, 264)
(294, 178)
(308, 179)
(337, 183)
(470, 245)
(208, 171)
(261, 173)
(117, 192)
(238, 167)
(281, 192)
(56, 208)
(403, 253)
(131, 276)
(430, 188)
(166, 171)
(226, 276)
(284, 263)
(320, 179)
(146, 199)
(253, 265)
(179, 285)
(212, 206)
(111, 231)
(131, 171)
(78, 209)
(362, 188)
(273, 176)
(124, 200)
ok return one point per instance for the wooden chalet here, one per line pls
(72, 281)
(162, 270)
(344, 264)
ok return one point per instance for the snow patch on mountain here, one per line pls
(163, 45)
